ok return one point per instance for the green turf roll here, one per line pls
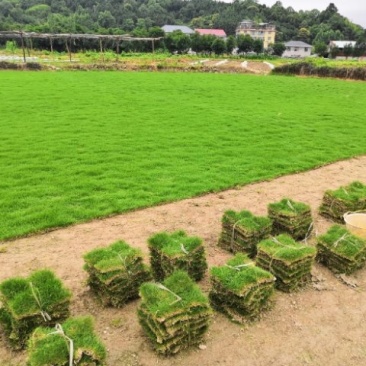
(170, 252)
(242, 231)
(175, 314)
(50, 346)
(289, 261)
(40, 299)
(116, 273)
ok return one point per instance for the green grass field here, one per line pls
(80, 145)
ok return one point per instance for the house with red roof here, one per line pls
(214, 32)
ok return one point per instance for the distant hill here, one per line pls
(137, 16)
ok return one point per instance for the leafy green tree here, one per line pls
(334, 52)
(156, 32)
(348, 50)
(230, 44)
(321, 49)
(218, 46)
(258, 46)
(196, 43)
(178, 42)
(106, 19)
(244, 43)
(206, 43)
(303, 35)
(278, 48)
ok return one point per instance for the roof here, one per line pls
(341, 44)
(214, 32)
(297, 44)
(171, 28)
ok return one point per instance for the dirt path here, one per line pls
(311, 327)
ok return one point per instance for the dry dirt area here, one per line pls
(325, 324)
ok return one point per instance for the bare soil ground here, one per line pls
(324, 324)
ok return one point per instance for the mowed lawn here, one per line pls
(80, 145)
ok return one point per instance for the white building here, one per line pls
(297, 49)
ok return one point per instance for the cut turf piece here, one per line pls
(50, 346)
(175, 314)
(116, 273)
(293, 218)
(242, 231)
(345, 199)
(27, 303)
(170, 252)
(240, 289)
(341, 251)
(290, 262)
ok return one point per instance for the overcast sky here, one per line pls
(354, 10)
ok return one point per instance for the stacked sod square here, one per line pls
(242, 231)
(341, 251)
(40, 299)
(350, 198)
(290, 262)
(169, 252)
(175, 314)
(116, 273)
(293, 218)
(51, 346)
(240, 289)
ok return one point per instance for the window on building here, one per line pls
(306, 49)
(296, 49)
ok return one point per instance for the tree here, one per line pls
(230, 44)
(177, 41)
(303, 35)
(348, 50)
(278, 48)
(106, 19)
(244, 43)
(218, 46)
(334, 52)
(258, 46)
(156, 32)
(321, 49)
(206, 43)
(196, 43)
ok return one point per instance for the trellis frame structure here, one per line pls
(69, 37)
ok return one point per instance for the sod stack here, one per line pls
(341, 251)
(170, 252)
(240, 289)
(175, 314)
(293, 218)
(242, 231)
(290, 262)
(345, 199)
(49, 346)
(116, 273)
(27, 303)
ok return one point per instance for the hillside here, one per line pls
(137, 16)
